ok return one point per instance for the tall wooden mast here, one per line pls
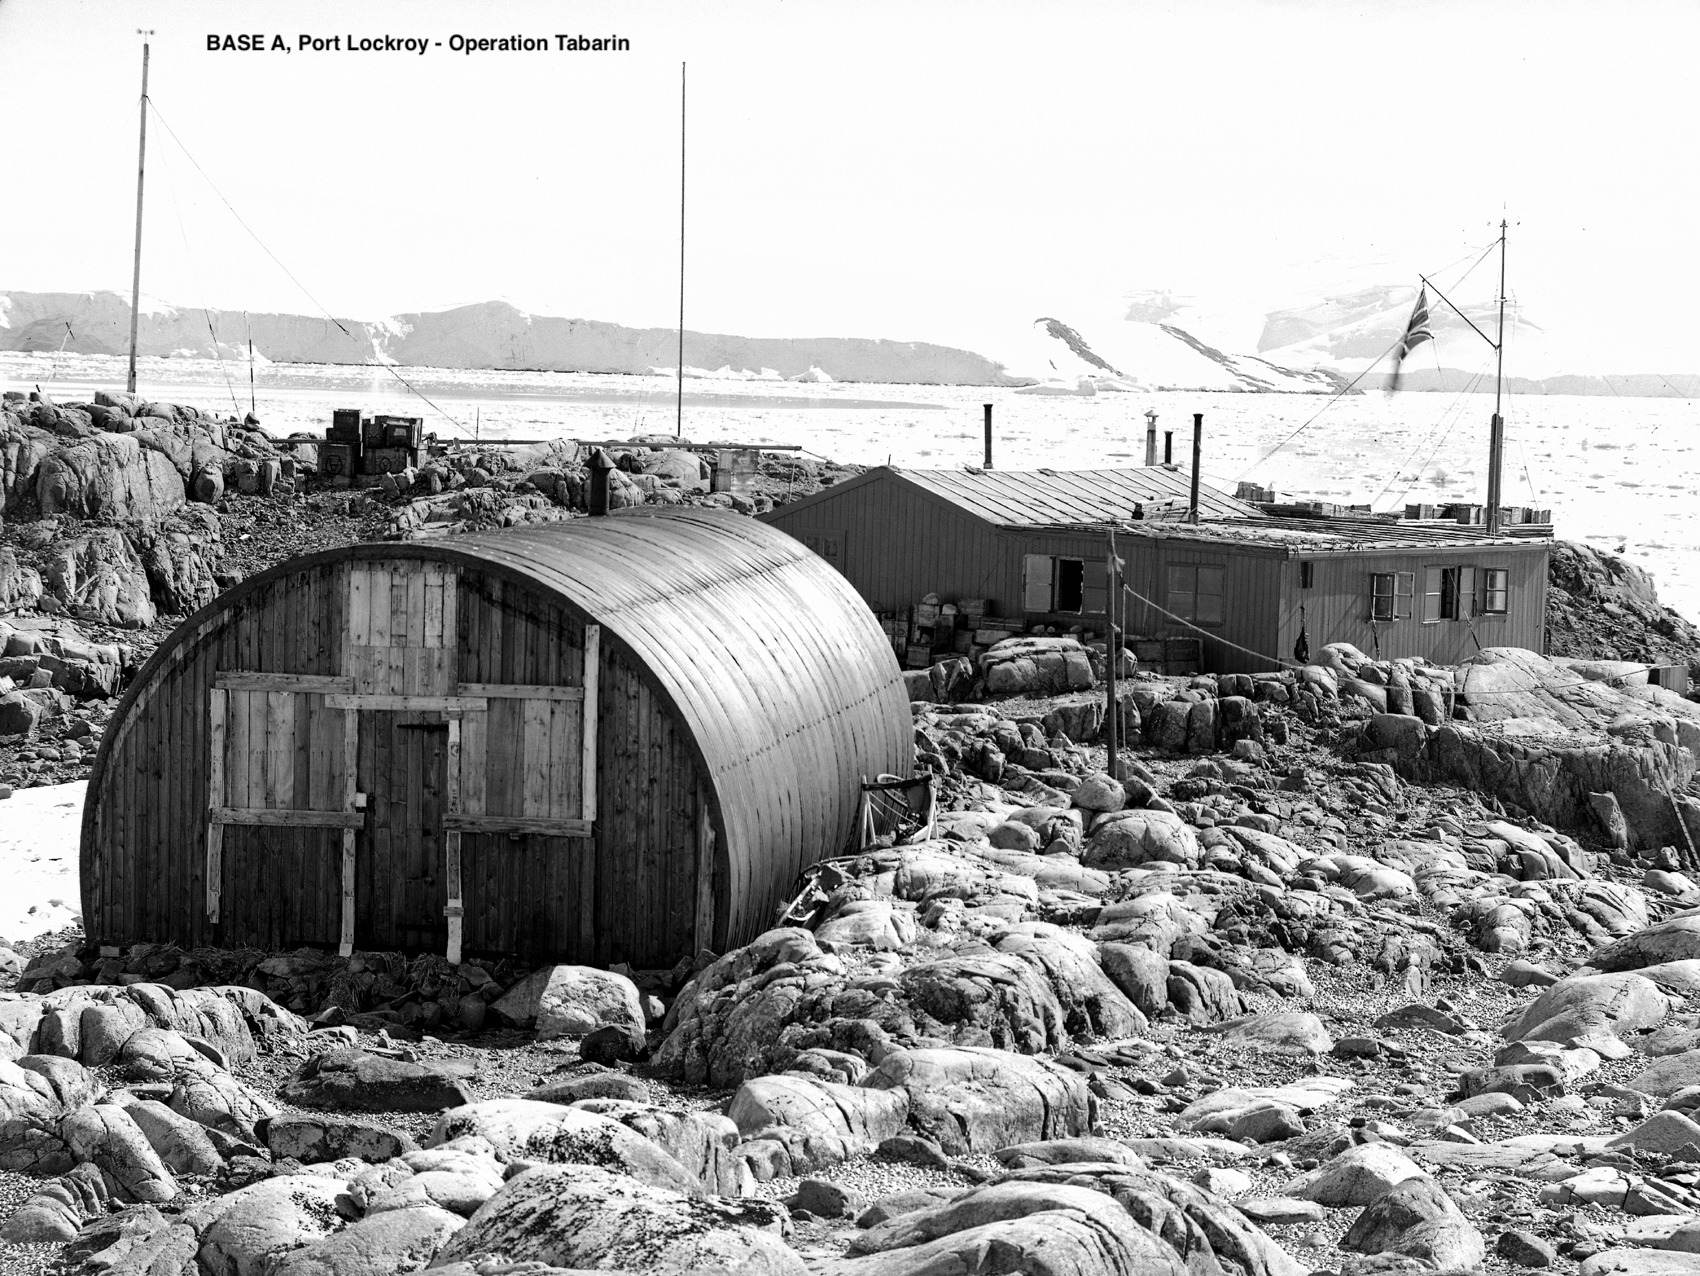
(679, 415)
(136, 277)
(1496, 437)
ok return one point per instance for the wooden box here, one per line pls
(388, 460)
(336, 460)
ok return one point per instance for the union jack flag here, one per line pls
(1416, 332)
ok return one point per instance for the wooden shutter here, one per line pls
(1036, 582)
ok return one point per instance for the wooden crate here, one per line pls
(1148, 651)
(1181, 656)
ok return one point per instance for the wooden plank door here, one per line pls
(402, 879)
(400, 656)
(524, 765)
(282, 809)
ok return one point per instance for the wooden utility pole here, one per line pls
(141, 165)
(679, 415)
(1112, 707)
(1496, 436)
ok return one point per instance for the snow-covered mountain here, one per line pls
(488, 335)
(1149, 343)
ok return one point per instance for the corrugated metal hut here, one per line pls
(612, 739)
(1032, 544)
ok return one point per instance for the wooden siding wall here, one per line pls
(1337, 604)
(1251, 598)
(144, 867)
(898, 546)
(629, 894)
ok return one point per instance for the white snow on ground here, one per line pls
(39, 888)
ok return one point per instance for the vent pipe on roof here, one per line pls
(1197, 449)
(600, 463)
(1168, 447)
(1151, 436)
(988, 408)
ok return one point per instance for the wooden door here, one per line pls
(523, 763)
(401, 875)
(282, 809)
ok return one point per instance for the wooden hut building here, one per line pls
(612, 739)
(1031, 547)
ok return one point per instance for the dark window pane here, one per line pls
(1071, 584)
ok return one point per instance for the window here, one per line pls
(1390, 595)
(1307, 575)
(1196, 593)
(1496, 591)
(1071, 584)
(1449, 593)
(1054, 584)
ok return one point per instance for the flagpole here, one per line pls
(1496, 435)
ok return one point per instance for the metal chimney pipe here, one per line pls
(1197, 449)
(988, 408)
(1151, 436)
(600, 463)
(1168, 447)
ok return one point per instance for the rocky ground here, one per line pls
(1255, 1006)
(1299, 981)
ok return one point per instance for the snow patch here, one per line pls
(40, 830)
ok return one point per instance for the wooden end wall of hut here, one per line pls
(375, 740)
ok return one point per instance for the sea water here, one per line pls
(1619, 473)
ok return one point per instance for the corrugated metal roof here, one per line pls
(1033, 498)
(1326, 535)
(775, 665)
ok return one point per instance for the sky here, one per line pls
(935, 171)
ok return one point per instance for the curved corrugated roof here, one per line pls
(775, 665)
(777, 670)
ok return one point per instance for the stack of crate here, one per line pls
(896, 627)
(358, 445)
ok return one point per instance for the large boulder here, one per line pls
(1092, 1004)
(1355, 1177)
(978, 1100)
(995, 1000)
(1675, 940)
(1417, 1219)
(31, 1108)
(1596, 1011)
(58, 1210)
(818, 1123)
(1142, 975)
(725, 1026)
(104, 1135)
(1126, 839)
(97, 576)
(242, 1232)
(703, 1142)
(525, 1129)
(584, 1217)
(384, 1244)
(570, 1001)
(108, 475)
(317, 1138)
(1032, 1221)
(354, 1080)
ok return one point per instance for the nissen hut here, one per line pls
(618, 738)
(1031, 547)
